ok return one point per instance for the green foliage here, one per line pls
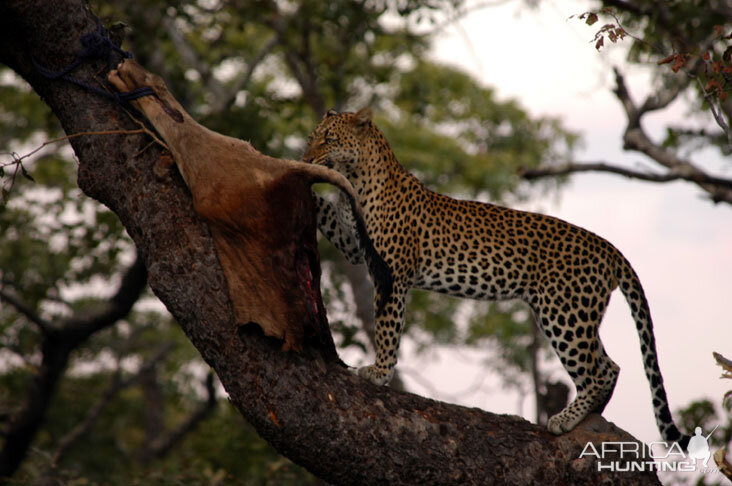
(262, 71)
(458, 138)
(705, 414)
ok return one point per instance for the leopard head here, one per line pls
(337, 140)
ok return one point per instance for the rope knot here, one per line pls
(97, 45)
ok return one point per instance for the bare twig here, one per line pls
(74, 135)
(151, 132)
(18, 159)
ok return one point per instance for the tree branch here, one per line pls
(25, 310)
(243, 81)
(574, 167)
(83, 324)
(91, 417)
(306, 77)
(191, 57)
(635, 138)
(656, 10)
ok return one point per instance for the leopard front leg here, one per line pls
(389, 328)
(336, 223)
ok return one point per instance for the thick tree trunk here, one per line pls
(335, 424)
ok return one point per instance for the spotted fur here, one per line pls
(482, 251)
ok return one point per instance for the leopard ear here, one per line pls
(363, 116)
(330, 113)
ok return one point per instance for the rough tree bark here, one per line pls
(335, 424)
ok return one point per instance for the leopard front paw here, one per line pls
(376, 374)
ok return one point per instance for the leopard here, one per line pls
(485, 251)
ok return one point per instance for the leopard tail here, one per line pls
(631, 288)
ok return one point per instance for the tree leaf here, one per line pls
(666, 59)
(591, 18)
(26, 174)
(679, 62)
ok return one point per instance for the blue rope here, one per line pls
(97, 45)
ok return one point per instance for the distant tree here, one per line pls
(690, 45)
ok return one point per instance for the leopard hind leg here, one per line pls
(571, 327)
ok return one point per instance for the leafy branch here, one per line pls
(614, 32)
(699, 61)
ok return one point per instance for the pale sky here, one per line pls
(679, 243)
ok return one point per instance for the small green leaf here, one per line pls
(591, 19)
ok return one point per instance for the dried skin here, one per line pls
(259, 210)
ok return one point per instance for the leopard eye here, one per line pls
(328, 138)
